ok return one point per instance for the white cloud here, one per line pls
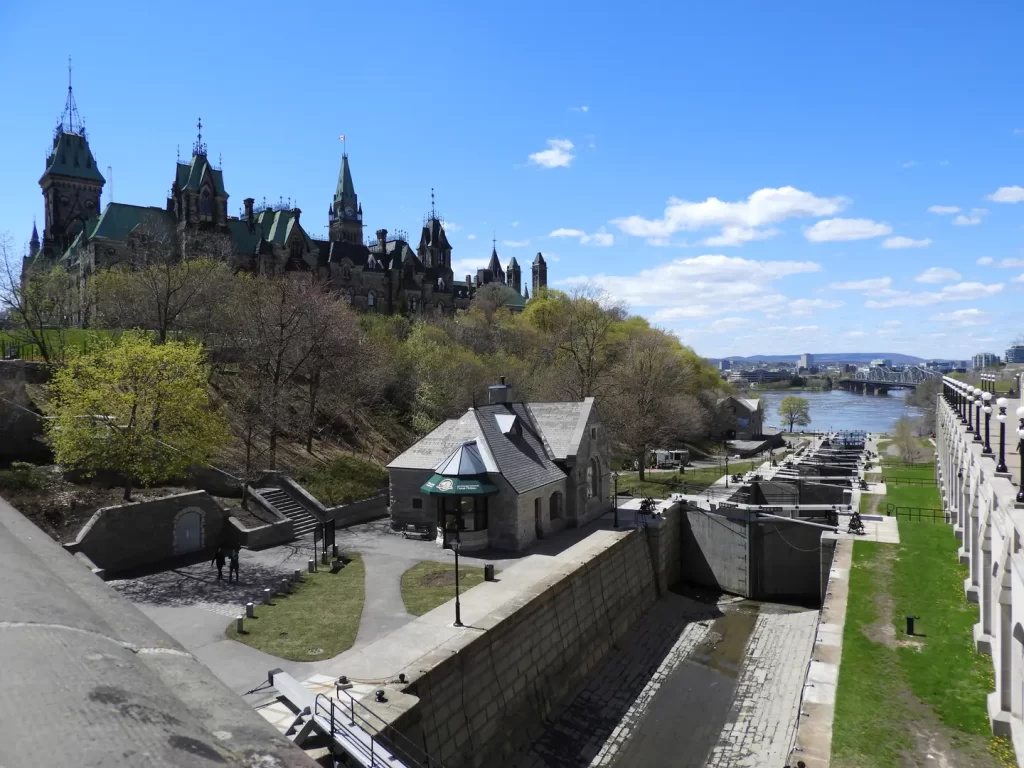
(800, 307)
(985, 261)
(1010, 263)
(1007, 195)
(871, 284)
(1018, 279)
(892, 323)
(944, 210)
(910, 163)
(451, 226)
(733, 235)
(970, 220)
(515, 243)
(584, 108)
(557, 155)
(701, 286)
(515, 224)
(963, 318)
(958, 292)
(905, 242)
(1017, 131)
(831, 230)
(938, 275)
(728, 324)
(468, 266)
(599, 238)
(855, 334)
(765, 206)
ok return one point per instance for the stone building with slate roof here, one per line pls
(505, 474)
(379, 275)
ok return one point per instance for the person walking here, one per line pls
(218, 560)
(233, 567)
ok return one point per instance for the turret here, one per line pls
(346, 222)
(33, 244)
(513, 276)
(540, 274)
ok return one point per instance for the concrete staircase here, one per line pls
(304, 521)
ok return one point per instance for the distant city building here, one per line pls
(881, 362)
(724, 365)
(942, 366)
(758, 376)
(1015, 353)
(806, 360)
(984, 360)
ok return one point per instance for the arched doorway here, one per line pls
(595, 478)
(555, 506)
(188, 532)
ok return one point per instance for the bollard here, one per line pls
(266, 597)
(910, 624)
(323, 558)
(286, 585)
(312, 565)
(489, 572)
(250, 611)
(239, 621)
(335, 552)
(297, 576)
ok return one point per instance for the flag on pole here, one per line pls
(342, 137)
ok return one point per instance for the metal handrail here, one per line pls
(403, 747)
(918, 513)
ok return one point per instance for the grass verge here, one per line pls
(660, 485)
(429, 584)
(346, 479)
(318, 620)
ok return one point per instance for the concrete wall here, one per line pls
(774, 492)
(715, 549)
(373, 508)
(146, 533)
(478, 705)
(785, 561)
(261, 537)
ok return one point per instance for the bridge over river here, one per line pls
(878, 379)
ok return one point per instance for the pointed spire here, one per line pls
(526, 292)
(199, 148)
(346, 190)
(70, 120)
(35, 233)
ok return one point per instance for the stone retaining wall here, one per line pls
(483, 701)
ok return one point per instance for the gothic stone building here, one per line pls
(382, 275)
(505, 474)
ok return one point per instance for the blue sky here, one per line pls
(758, 177)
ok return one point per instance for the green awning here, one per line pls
(457, 486)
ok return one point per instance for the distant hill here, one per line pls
(831, 357)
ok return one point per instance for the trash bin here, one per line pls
(489, 572)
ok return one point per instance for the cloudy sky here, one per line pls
(757, 177)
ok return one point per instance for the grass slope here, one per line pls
(320, 619)
(428, 584)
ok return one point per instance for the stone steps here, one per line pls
(304, 522)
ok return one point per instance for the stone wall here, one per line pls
(716, 550)
(20, 425)
(261, 537)
(481, 703)
(785, 561)
(665, 539)
(146, 533)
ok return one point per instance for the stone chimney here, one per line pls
(382, 240)
(248, 212)
(469, 281)
(499, 393)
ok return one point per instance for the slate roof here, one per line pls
(562, 424)
(521, 457)
(345, 189)
(524, 457)
(72, 157)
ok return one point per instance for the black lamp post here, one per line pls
(615, 479)
(963, 405)
(1001, 418)
(977, 414)
(456, 543)
(725, 450)
(970, 410)
(986, 398)
(1020, 450)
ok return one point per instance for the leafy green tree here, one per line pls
(136, 408)
(795, 410)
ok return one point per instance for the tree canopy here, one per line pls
(135, 407)
(796, 411)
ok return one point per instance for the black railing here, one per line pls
(890, 480)
(916, 513)
(358, 715)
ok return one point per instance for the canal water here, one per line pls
(836, 410)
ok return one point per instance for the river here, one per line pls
(836, 409)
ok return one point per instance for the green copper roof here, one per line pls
(72, 157)
(345, 190)
(190, 175)
(119, 219)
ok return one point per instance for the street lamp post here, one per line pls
(725, 450)
(615, 479)
(970, 411)
(987, 408)
(977, 414)
(456, 543)
(1001, 418)
(1020, 450)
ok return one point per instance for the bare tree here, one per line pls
(40, 302)
(584, 339)
(168, 282)
(906, 441)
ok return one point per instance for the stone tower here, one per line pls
(540, 274)
(72, 184)
(494, 266)
(434, 249)
(514, 276)
(346, 214)
(33, 244)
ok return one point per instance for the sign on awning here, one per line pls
(439, 485)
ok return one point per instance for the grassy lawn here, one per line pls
(318, 620)
(428, 584)
(660, 485)
(345, 479)
(901, 695)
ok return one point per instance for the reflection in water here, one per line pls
(837, 409)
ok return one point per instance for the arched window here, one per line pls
(590, 481)
(595, 478)
(414, 303)
(555, 505)
(371, 300)
(206, 203)
(440, 283)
